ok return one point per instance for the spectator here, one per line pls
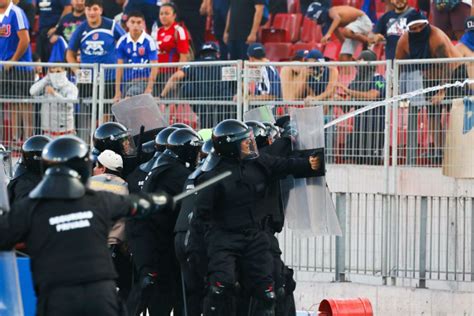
(356, 25)
(95, 39)
(193, 14)
(423, 41)
(112, 8)
(366, 142)
(293, 78)
(50, 12)
(391, 26)
(243, 20)
(466, 46)
(268, 86)
(57, 111)
(135, 47)
(68, 23)
(149, 8)
(218, 9)
(30, 11)
(204, 83)
(449, 16)
(108, 174)
(321, 80)
(16, 80)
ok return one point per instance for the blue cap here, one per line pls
(256, 50)
(300, 54)
(315, 54)
(317, 12)
(469, 24)
(415, 17)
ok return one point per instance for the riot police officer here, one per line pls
(161, 268)
(116, 137)
(137, 177)
(65, 226)
(28, 173)
(237, 221)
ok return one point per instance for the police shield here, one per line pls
(10, 296)
(137, 111)
(310, 209)
(260, 114)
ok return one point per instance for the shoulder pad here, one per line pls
(166, 158)
(148, 166)
(196, 173)
(59, 183)
(19, 171)
(212, 160)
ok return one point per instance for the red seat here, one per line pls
(278, 51)
(380, 7)
(294, 6)
(290, 22)
(185, 114)
(332, 49)
(310, 31)
(272, 35)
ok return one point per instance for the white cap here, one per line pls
(110, 160)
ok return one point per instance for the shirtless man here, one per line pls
(424, 41)
(356, 24)
(466, 46)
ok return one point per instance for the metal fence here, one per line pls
(200, 94)
(390, 238)
(46, 98)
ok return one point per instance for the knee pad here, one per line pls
(218, 301)
(265, 302)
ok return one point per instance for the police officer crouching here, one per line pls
(65, 226)
(28, 173)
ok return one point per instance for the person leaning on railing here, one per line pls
(425, 41)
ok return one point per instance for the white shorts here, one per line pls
(363, 25)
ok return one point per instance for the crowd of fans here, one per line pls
(148, 32)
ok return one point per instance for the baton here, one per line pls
(201, 186)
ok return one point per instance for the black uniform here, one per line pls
(20, 186)
(234, 209)
(190, 250)
(72, 269)
(153, 243)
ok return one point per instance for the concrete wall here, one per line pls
(387, 300)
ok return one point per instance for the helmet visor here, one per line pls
(248, 148)
(126, 145)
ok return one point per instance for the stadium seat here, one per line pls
(332, 49)
(294, 6)
(186, 115)
(310, 31)
(278, 51)
(291, 23)
(272, 35)
(380, 7)
(209, 34)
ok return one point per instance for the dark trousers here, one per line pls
(246, 251)
(44, 47)
(237, 49)
(196, 25)
(193, 265)
(89, 299)
(219, 19)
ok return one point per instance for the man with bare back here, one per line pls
(466, 46)
(355, 23)
(424, 41)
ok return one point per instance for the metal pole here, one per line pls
(386, 147)
(94, 100)
(341, 240)
(239, 90)
(423, 232)
(394, 107)
(245, 89)
(101, 95)
(472, 239)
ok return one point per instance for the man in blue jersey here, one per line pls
(15, 81)
(135, 47)
(268, 86)
(50, 12)
(95, 39)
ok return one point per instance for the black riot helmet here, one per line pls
(114, 136)
(259, 132)
(206, 148)
(161, 140)
(31, 152)
(186, 144)
(68, 151)
(234, 139)
(181, 125)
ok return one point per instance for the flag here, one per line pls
(369, 8)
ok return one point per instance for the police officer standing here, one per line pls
(28, 173)
(65, 226)
(237, 239)
(159, 270)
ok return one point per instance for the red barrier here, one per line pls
(345, 307)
